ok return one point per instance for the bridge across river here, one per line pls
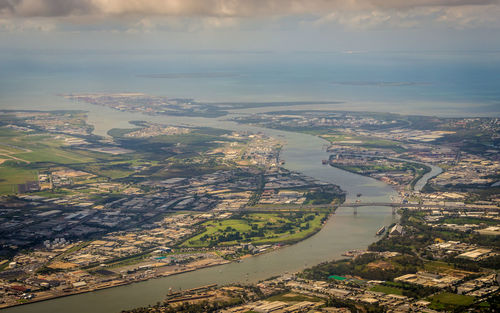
(415, 205)
(299, 207)
(391, 204)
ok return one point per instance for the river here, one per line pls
(303, 153)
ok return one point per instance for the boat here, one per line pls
(324, 162)
(381, 231)
(359, 195)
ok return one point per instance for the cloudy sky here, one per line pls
(309, 25)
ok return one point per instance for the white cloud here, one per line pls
(458, 17)
(21, 25)
(470, 16)
(147, 15)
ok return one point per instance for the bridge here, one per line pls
(413, 205)
(391, 204)
(356, 205)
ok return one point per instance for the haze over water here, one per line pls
(441, 83)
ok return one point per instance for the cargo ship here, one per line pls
(380, 231)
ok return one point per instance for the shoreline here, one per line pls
(412, 184)
(123, 283)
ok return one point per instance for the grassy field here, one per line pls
(257, 228)
(39, 148)
(24, 155)
(450, 301)
(362, 141)
(189, 167)
(382, 143)
(293, 297)
(469, 220)
(113, 170)
(388, 290)
(443, 268)
(11, 175)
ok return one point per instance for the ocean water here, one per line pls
(441, 83)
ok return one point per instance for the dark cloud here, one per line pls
(8, 5)
(422, 3)
(46, 8)
(248, 8)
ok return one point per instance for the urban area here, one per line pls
(79, 212)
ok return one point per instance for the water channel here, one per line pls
(302, 153)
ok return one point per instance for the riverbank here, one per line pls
(157, 275)
(411, 185)
(185, 269)
(301, 154)
(107, 286)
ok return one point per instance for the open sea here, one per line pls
(431, 83)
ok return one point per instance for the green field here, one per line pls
(469, 220)
(366, 142)
(113, 170)
(437, 266)
(39, 147)
(257, 228)
(388, 290)
(293, 297)
(11, 175)
(450, 301)
(22, 153)
(181, 155)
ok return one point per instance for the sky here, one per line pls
(255, 25)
